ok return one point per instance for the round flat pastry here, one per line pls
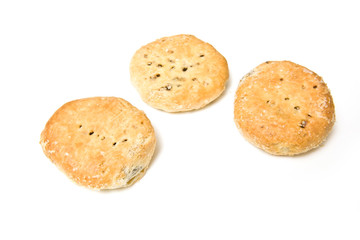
(284, 108)
(100, 142)
(178, 73)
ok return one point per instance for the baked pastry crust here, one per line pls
(284, 108)
(178, 73)
(100, 142)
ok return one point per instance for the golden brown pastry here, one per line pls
(100, 142)
(284, 108)
(178, 73)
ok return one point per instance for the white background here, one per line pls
(206, 181)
